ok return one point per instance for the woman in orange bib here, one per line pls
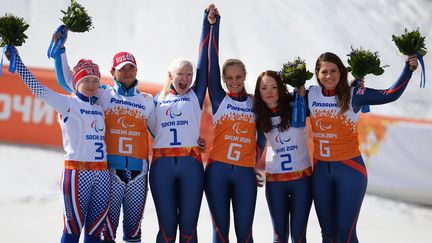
(340, 176)
(230, 174)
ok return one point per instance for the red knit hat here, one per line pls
(122, 58)
(85, 68)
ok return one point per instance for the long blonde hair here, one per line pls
(174, 66)
(232, 62)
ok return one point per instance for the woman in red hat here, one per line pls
(86, 182)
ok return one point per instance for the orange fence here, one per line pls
(23, 118)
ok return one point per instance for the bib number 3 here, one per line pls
(99, 151)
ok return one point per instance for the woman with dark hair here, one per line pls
(340, 176)
(288, 166)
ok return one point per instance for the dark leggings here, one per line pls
(177, 185)
(225, 183)
(289, 203)
(338, 191)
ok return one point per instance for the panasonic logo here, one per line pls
(91, 112)
(235, 108)
(128, 103)
(319, 104)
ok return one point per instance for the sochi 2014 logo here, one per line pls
(280, 139)
(173, 112)
(238, 130)
(122, 121)
(95, 126)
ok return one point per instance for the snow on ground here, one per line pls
(31, 207)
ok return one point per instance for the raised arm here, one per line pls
(63, 72)
(369, 96)
(216, 92)
(201, 80)
(59, 102)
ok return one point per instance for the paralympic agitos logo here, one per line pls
(319, 123)
(94, 125)
(238, 130)
(172, 112)
(280, 139)
(122, 121)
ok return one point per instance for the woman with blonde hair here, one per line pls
(176, 171)
(230, 172)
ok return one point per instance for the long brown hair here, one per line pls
(343, 90)
(263, 113)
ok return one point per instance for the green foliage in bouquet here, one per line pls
(12, 30)
(294, 73)
(76, 18)
(362, 62)
(410, 43)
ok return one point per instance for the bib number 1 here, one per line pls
(175, 141)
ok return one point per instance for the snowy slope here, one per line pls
(31, 207)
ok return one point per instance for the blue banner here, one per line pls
(423, 73)
(299, 111)
(12, 61)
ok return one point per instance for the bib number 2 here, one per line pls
(286, 163)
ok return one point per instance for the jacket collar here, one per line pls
(122, 90)
(240, 96)
(92, 100)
